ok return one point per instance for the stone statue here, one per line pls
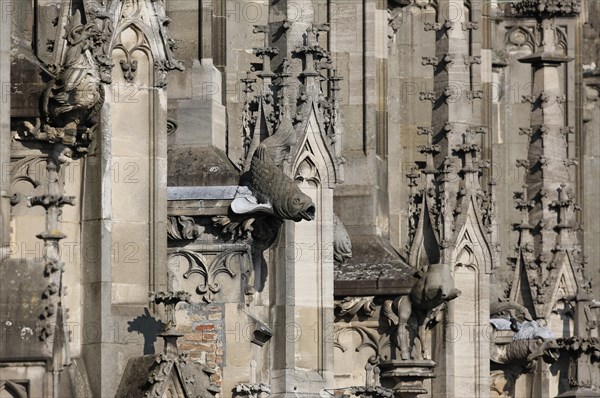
(273, 191)
(435, 288)
(531, 342)
(76, 92)
(509, 361)
(72, 101)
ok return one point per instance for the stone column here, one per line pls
(302, 282)
(550, 181)
(550, 171)
(547, 147)
(301, 272)
(288, 22)
(462, 232)
(125, 204)
(5, 28)
(590, 141)
(590, 164)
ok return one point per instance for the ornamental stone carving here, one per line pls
(271, 187)
(546, 8)
(351, 306)
(530, 342)
(342, 245)
(425, 301)
(72, 100)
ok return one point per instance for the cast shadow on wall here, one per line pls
(149, 327)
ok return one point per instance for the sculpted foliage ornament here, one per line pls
(222, 263)
(372, 392)
(351, 306)
(342, 245)
(158, 382)
(183, 228)
(258, 229)
(547, 8)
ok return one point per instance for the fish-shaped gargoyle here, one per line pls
(272, 191)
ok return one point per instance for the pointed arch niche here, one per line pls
(125, 184)
(132, 57)
(561, 320)
(464, 314)
(135, 147)
(132, 150)
(301, 270)
(313, 172)
(467, 342)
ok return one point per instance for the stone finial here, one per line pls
(413, 175)
(434, 61)
(170, 301)
(438, 26)
(267, 54)
(342, 245)
(427, 96)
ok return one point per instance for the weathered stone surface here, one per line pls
(438, 100)
(375, 268)
(200, 166)
(21, 318)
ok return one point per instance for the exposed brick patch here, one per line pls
(205, 328)
(204, 336)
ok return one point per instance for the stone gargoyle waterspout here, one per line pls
(529, 343)
(510, 359)
(428, 294)
(272, 191)
(265, 198)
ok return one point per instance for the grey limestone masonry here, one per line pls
(300, 198)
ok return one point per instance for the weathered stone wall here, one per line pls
(406, 79)
(359, 53)
(589, 143)
(5, 111)
(115, 250)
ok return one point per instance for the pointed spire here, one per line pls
(53, 201)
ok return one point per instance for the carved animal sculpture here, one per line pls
(526, 351)
(435, 288)
(531, 342)
(75, 96)
(270, 185)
